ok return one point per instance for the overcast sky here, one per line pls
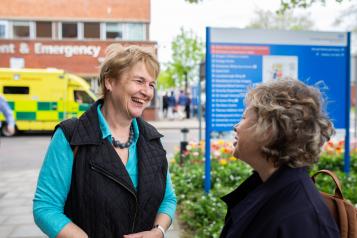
(167, 16)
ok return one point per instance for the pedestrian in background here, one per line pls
(280, 137)
(181, 104)
(106, 173)
(172, 105)
(188, 106)
(165, 105)
(9, 127)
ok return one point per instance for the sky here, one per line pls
(168, 16)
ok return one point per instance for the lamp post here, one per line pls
(183, 143)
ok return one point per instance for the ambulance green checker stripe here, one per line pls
(47, 106)
(43, 107)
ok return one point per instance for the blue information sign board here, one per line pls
(237, 59)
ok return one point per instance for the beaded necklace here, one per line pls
(118, 144)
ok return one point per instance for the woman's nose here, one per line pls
(235, 127)
(146, 90)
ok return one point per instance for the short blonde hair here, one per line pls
(121, 59)
(291, 114)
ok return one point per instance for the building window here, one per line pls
(69, 30)
(4, 26)
(2, 31)
(92, 30)
(44, 29)
(21, 29)
(114, 31)
(135, 31)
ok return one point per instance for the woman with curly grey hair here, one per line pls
(280, 136)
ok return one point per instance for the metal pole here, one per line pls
(207, 182)
(354, 69)
(348, 105)
(199, 111)
(186, 82)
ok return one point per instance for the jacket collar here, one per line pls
(148, 130)
(244, 202)
(88, 129)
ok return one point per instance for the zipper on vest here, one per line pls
(106, 174)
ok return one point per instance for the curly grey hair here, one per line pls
(291, 116)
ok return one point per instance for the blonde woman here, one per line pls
(106, 173)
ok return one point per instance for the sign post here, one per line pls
(239, 58)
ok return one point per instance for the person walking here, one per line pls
(8, 129)
(165, 105)
(188, 106)
(182, 100)
(172, 105)
(106, 173)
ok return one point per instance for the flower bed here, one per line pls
(203, 215)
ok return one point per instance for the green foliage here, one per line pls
(291, 4)
(187, 53)
(165, 80)
(348, 18)
(334, 162)
(203, 215)
(193, 1)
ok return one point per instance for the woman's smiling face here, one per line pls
(133, 91)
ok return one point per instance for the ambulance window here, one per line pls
(16, 90)
(82, 97)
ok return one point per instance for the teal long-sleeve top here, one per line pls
(55, 180)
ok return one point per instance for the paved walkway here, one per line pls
(17, 189)
(16, 194)
(178, 124)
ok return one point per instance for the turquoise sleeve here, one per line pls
(53, 186)
(168, 205)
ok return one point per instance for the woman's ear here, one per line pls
(108, 84)
(265, 133)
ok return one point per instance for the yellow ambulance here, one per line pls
(41, 98)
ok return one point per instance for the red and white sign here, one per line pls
(78, 57)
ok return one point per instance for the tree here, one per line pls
(348, 18)
(291, 4)
(187, 53)
(165, 79)
(193, 1)
(265, 19)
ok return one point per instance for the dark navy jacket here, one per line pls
(287, 205)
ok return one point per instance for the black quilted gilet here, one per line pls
(102, 199)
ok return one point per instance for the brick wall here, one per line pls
(133, 10)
